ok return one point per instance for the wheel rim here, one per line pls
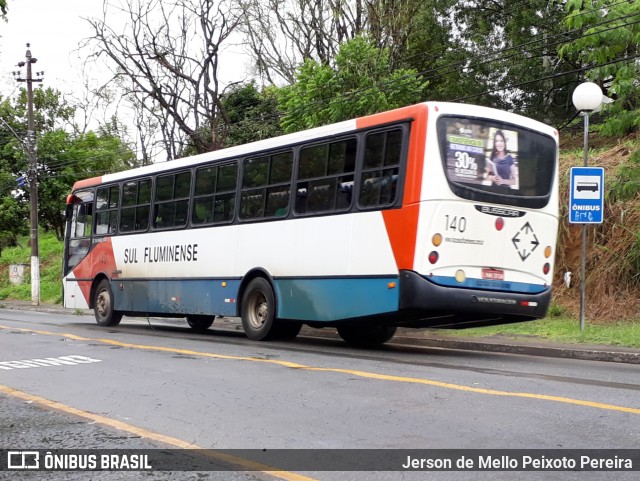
(258, 310)
(103, 304)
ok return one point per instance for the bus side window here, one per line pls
(107, 203)
(136, 198)
(171, 204)
(79, 234)
(214, 194)
(326, 177)
(266, 186)
(379, 179)
(322, 195)
(81, 220)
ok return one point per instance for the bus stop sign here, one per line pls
(586, 195)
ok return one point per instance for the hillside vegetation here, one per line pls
(50, 251)
(613, 248)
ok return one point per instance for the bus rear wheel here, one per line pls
(103, 305)
(363, 335)
(286, 330)
(258, 309)
(200, 323)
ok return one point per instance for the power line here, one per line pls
(469, 65)
(521, 45)
(528, 47)
(548, 77)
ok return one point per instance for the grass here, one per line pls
(562, 330)
(559, 326)
(50, 251)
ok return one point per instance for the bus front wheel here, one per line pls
(366, 336)
(103, 305)
(258, 309)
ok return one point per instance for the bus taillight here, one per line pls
(433, 257)
(499, 223)
(546, 268)
(528, 304)
(437, 239)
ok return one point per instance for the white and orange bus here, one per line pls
(437, 214)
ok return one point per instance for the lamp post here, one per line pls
(587, 97)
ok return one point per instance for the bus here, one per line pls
(433, 215)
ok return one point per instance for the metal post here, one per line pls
(33, 188)
(584, 229)
(33, 176)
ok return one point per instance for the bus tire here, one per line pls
(286, 330)
(363, 335)
(103, 305)
(258, 310)
(200, 323)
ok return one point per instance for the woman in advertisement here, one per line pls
(501, 169)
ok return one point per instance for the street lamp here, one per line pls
(587, 97)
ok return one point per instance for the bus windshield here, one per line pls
(490, 161)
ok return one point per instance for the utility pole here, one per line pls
(33, 175)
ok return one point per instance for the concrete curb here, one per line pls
(506, 346)
(586, 353)
(422, 338)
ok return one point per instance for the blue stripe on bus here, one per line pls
(176, 296)
(333, 299)
(493, 285)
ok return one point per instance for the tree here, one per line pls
(253, 114)
(608, 49)
(502, 54)
(432, 50)
(168, 59)
(63, 157)
(3, 8)
(14, 210)
(282, 34)
(14, 213)
(360, 82)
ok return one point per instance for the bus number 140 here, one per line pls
(458, 224)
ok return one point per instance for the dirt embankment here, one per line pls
(612, 248)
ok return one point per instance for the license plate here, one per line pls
(493, 274)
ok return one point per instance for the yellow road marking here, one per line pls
(363, 374)
(243, 464)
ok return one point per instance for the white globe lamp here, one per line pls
(587, 97)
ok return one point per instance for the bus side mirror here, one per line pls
(68, 212)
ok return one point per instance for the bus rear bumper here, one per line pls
(418, 294)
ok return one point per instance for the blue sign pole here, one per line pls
(586, 206)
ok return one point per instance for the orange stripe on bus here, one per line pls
(81, 184)
(402, 228)
(100, 259)
(402, 224)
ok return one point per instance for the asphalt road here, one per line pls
(159, 386)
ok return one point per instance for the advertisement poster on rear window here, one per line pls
(481, 155)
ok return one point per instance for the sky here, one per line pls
(54, 29)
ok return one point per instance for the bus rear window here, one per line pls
(494, 162)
